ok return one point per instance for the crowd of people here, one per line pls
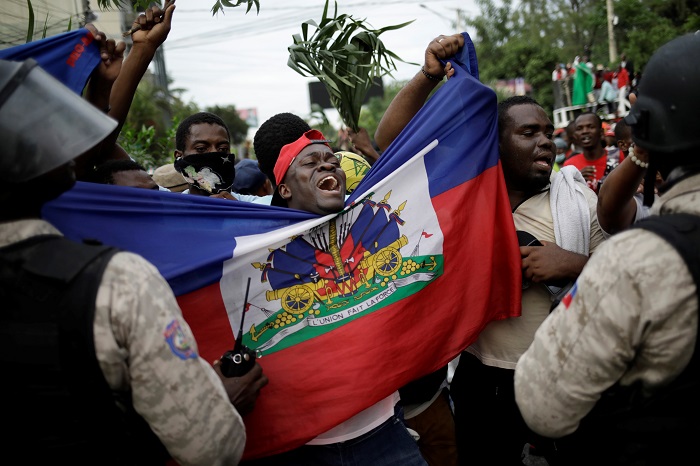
(605, 89)
(609, 312)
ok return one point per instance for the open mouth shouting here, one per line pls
(329, 184)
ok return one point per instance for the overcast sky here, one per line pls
(238, 59)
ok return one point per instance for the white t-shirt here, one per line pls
(360, 423)
(246, 198)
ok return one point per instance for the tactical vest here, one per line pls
(626, 428)
(57, 403)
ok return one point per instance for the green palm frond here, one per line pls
(30, 26)
(46, 27)
(345, 54)
(220, 4)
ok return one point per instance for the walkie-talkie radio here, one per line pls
(238, 361)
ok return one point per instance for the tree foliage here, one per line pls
(529, 37)
(513, 38)
(236, 126)
(148, 134)
(373, 111)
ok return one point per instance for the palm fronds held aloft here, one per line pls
(345, 54)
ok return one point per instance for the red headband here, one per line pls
(289, 152)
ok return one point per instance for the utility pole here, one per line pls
(88, 15)
(612, 48)
(461, 20)
(440, 15)
(160, 75)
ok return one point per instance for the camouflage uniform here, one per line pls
(143, 344)
(633, 317)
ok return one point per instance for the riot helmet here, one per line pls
(665, 116)
(43, 124)
(664, 119)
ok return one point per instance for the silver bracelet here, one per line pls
(634, 159)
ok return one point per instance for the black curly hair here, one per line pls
(276, 132)
(505, 105)
(104, 173)
(183, 129)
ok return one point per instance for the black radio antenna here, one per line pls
(239, 339)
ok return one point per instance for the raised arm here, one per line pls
(617, 208)
(154, 28)
(118, 81)
(99, 87)
(411, 98)
(98, 92)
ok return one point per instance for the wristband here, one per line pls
(429, 76)
(634, 159)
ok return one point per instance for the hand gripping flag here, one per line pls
(344, 309)
(69, 57)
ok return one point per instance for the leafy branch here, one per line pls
(345, 63)
(30, 27)
(220, 4)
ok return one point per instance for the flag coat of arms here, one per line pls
(344, 309)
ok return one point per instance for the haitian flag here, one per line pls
(69, 57)
(343, 309)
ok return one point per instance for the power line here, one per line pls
(245, 30)
(259, 27)
(296, 7)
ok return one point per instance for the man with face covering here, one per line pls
(100, 366)
(309, 177)
(203, 155)
(613, 372)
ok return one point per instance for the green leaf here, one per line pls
(30, 26)
(396, 26)
(220, 4)
(46, 26)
